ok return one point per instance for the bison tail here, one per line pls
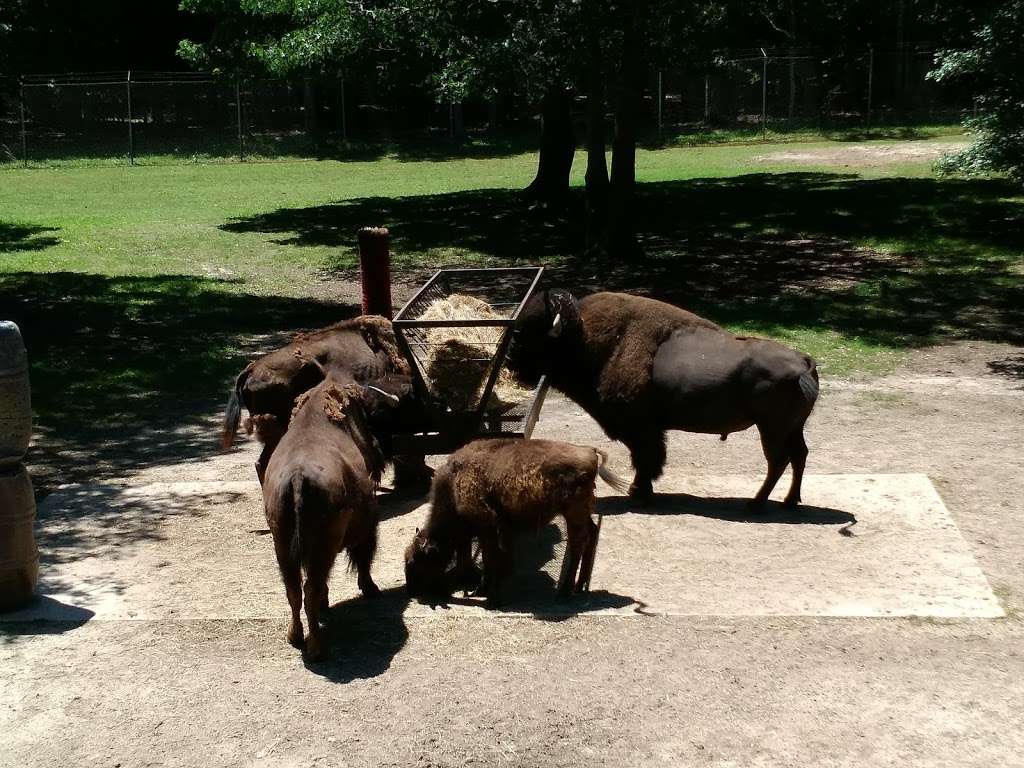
(808, 382)
(616, 482)
(300, 503)
(231, 420)
(234, 411)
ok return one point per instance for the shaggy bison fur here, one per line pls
(358, 350)
(318, 496)
(492, 489)
(641, 367)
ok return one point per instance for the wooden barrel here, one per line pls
(15, 404)
(19, 558)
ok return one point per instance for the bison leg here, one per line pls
(316, 584)
(412, 473)
(798, 457)
(587, 564)
(776, 451)
(292, 577)
(580, 534)
(467, 575)
(362, 558)
(648, 453)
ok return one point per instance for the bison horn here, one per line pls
(388, 395)
(556, 327)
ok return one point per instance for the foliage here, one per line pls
(994, 63)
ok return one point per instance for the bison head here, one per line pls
(548, 326)
(425, 566)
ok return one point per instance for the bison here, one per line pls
(319, 498)
(491, 489)
(357, 350)
(640, 367)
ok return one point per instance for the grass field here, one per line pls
(140, 287)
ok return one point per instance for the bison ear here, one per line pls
(310, 374)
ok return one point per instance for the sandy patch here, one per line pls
(866, 155)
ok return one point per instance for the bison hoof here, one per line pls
(791, 503)
(641, 493)
(295, 635)
(756, 505)
(314, 649)
(369, 589)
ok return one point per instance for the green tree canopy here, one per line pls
(994, 62)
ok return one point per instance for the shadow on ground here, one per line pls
(15, 238)
(731, 510)
(365, 635)
(128, 372)
(892, 261)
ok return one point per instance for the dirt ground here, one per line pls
(866, 155)
(407, 685)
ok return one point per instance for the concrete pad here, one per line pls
(200, 551)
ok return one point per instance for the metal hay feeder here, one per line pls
(473, 414)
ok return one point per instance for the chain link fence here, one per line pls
(155, 116)
(773, 89)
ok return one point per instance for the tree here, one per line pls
(994, 62)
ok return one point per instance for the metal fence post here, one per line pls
(707, 99)
(871, 79)
(661, 99)
(764, 95)
(131, 133)
(341, 109)
(238, 120)
(24, 135)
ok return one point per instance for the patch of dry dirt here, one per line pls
(871, 155)
(441, 689)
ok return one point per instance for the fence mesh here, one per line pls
(140, 117)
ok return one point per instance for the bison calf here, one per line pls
(490, 490)
(319, 498)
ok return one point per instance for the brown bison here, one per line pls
(490, 490)
(358, 350)
(641, 367)
(318, 495)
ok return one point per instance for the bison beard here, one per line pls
(641, 367)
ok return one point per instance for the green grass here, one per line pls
(140, 290)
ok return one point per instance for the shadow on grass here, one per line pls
(768, 251)
(15, 238)
(130, 372)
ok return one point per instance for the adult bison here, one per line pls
(641, 367)
(359, 350)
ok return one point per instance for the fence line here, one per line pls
(195, 113)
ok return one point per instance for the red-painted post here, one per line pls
(375, 270)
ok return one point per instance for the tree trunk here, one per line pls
(621, 228)
(596, 180)
(557, 148)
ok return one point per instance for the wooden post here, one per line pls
(375, 270)
(24, 135)
(131, 132)
(19, 558)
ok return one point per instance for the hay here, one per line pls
(459, 359)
